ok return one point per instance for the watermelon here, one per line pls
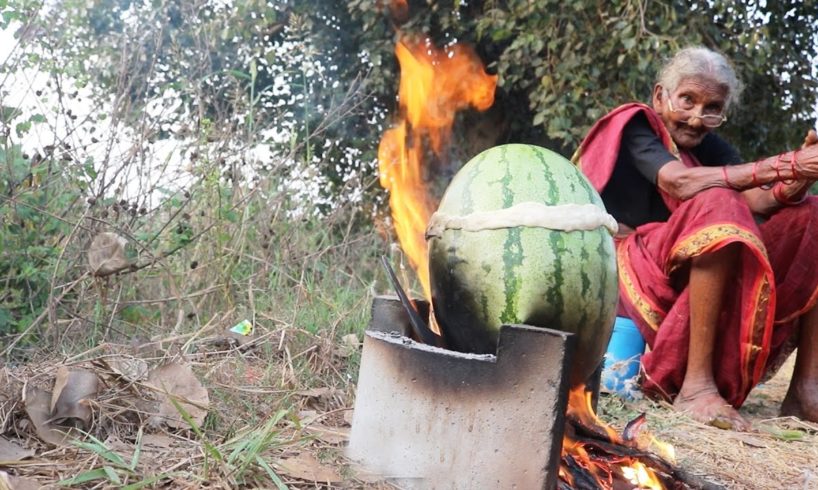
(521, 237)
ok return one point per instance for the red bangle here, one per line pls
(726, 180)
(793, 162)
(777, 167)
(784, 201)
(755, 182)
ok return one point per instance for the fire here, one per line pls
(640, 475)
(434, 85)
(580, 406)
(579, 455)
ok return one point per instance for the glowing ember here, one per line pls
(665, 450)
(435, 84)
(640, 475)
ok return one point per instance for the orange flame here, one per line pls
(435, 84)
(580, 406)
(605, 471)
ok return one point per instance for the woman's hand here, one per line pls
(788, 193)
(810, 139)
(806, 159)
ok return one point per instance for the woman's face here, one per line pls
(695, 96)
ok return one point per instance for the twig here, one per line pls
(252, 300)
(208, 326)
(52, 313)
(79, 356)
(110, 324)
(42, 315)
(194, 294)
(130, 268)
(794, 420)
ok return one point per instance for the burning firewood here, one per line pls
(597, 457)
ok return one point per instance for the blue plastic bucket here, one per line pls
(621, 368)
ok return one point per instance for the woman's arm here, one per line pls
(798, 170)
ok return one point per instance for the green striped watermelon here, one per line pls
(517, 273)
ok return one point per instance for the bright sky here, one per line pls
(166, 169)
(19, 89)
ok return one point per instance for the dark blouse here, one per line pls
(631, 195)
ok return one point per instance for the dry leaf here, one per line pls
(158, 442)
(306, 417)
(178, 381)
(315, 392)
(329, 435)
(321, 399)
(349, 345)
(11, 452)
(106, 254)
(12, 482)
(38, 404)
(365, 475)
(306, 467)
(348, 414)
(60, 380)
(157, 448)
(129, 368)
(72, 389)
(153, 448)
(748, 439)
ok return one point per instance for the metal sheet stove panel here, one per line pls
(431, 418)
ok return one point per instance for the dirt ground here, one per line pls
(306, 448)
(780, 453)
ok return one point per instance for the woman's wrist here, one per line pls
(786, 164)
(783, 168)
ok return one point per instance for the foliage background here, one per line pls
(564, 64)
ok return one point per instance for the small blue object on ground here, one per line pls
(620, 373)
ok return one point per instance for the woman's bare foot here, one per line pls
(801, 401)
(707, 406)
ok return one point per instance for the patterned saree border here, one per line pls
(708, 238)
(755, 355)
(652, 314)
(756, 332)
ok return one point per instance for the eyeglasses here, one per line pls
(709, 120)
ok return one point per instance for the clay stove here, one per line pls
(427, 417)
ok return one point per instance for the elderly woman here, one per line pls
(718, 259)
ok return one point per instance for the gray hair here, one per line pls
(700, 62)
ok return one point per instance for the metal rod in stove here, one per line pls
(421, 330)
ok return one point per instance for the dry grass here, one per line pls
(261, 408)
(259, 392)
(779, 453)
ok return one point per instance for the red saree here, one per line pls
(776, 282)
